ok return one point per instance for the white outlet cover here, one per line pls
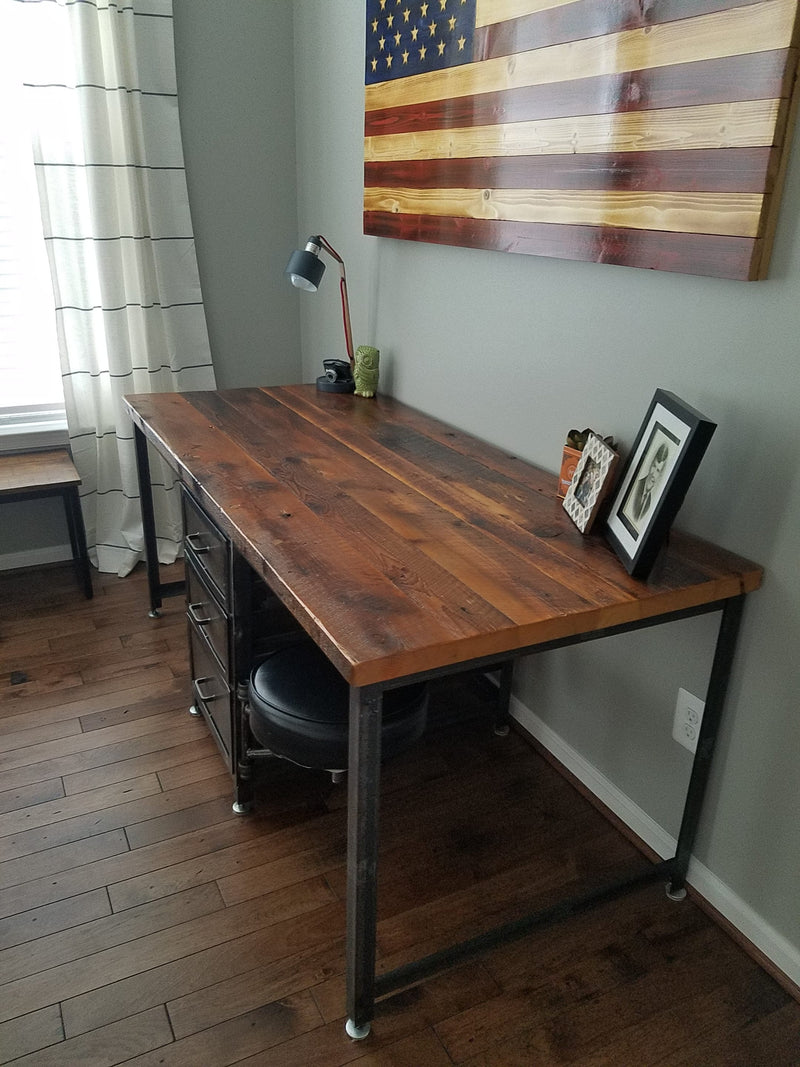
(688, 717)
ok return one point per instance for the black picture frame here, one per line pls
(669, 446)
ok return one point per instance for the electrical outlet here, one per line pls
(688, 716)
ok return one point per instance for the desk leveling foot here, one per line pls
(358, 1033)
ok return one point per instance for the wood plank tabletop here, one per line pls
(37, 470)
(402, 544)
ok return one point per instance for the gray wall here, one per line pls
(518, 349)
(236, 85)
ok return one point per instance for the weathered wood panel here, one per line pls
(398, 544)
(483, 132)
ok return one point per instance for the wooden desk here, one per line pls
(408, 549)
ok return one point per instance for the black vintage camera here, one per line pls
(338, 377)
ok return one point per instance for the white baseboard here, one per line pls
(35, 557)
(782, 953)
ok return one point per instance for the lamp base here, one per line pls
(325, 385)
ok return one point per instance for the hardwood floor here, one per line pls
(142, 922)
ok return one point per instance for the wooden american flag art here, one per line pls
(649, 133)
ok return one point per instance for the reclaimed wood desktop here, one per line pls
(408, 549)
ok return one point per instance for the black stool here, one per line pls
(298, 707)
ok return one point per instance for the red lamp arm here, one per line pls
(348, 331)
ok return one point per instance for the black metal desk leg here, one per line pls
(715, 700)
(506, 680)
(77, 538)
(148, 520)
(364, 765)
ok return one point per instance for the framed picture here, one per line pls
(665, 456)
(590, 482)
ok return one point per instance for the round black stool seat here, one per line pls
(299, 709)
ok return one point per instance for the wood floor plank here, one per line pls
(113, 1044)
(30, 866)
(229, 942)
(693, 1029)
(111, 965)
(38, 922)
(178, 774)
(277, 874)
(255, 938)
(295, 844)
(27, 795)
(587, 1001)
(30, 1033)
(244, 1036)
(107, 755)
(108, 931)
(180, 756)
(260, 985)
(38, 735)
(178, 823)
(402, 1014)
(105, 872)
(55, 811)
(106, 695)
(83, 742)
(420, 1048)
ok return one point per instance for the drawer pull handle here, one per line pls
(205, 697)
(194, 614)
(195, 543)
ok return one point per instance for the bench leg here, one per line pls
(77, 537)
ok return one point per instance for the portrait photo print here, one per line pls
(663, 460)
(649, 479)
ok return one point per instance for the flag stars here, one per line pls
(410, 36)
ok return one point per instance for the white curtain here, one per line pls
(102, 100)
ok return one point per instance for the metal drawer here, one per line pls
(206, 615)
(210, 692)
(206, 547)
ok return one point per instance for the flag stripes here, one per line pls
(592, 116)
(713, 81)
(738, 169)
(721, 257)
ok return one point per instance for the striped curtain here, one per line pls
(101, 95)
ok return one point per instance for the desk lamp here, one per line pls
(305, 270)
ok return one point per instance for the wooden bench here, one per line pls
(29, 475)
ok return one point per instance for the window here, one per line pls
(31, 396)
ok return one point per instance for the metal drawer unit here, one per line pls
(221, 588)
(209, 596)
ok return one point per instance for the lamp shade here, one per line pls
(305, 270)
